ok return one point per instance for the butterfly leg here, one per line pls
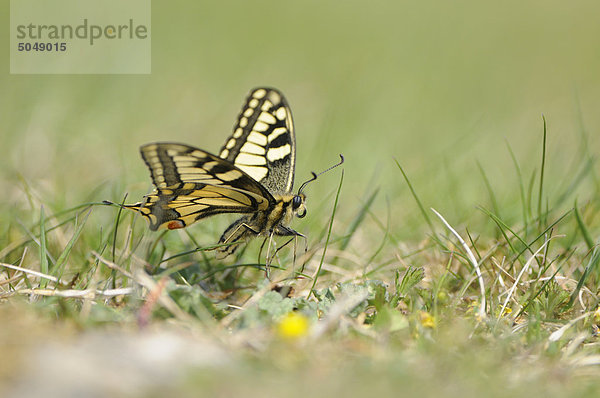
(304, 257)
(262, 246)
(268, 258)
(269, 239)
(235, 235)
(281, 230)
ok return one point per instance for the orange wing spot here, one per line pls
(176, 224)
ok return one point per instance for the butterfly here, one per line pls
(253, 175)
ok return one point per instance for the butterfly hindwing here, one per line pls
(193, 184)
(263, 142)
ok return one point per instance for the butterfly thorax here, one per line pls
(287, 206)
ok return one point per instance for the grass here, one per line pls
(457, 256)
(518, 307)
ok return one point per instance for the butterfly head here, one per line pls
(298, 206)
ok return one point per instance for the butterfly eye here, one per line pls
(296, 202)
(297, 205)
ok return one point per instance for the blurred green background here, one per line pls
(435, 85)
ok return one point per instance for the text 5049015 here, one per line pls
(58, 47)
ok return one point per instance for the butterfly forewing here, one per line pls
(171, 164)
(263, 142)
(193, 184)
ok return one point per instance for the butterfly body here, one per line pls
(253, 175)
(275, 221)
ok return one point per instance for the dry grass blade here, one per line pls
(31, 272)
(74, 293)
(560, 332)
(150, 284)
(472, 259)
(112, 265)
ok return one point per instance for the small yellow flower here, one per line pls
(507, 311)
(427, 320)
(293, 326)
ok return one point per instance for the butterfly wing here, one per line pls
(263, 143)
(192, 184)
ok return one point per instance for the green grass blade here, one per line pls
(488, 186)
(530, 194)
(503, 226)
(195, 250)
(541, 190)
(205, 258)
(539, 291)
(58, 268)
(592, 264)
(114, 245)
(584, 231)
(528, 246)
(584, 150)
(74, 209)
(416, 197)
(337, 196)
(358, 220)
(587, 170)
(380, 247)
(473, 244)
(521, 185)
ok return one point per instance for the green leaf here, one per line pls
(411, 278)
(325, 298)
(275, 305)
(192, 300)
(352, 289)
(378, 293)
(390, 320)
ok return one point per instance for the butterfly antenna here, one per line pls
(315, 175)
